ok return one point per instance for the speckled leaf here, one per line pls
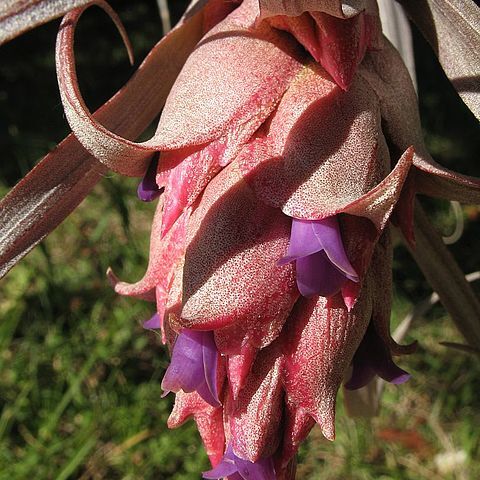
(337, 8)
(325, 153)
(18, 16)
(386, 73)
(165, 253)
(209, 422)
(452, 27)
(320, 343)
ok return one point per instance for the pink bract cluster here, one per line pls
(289, 145)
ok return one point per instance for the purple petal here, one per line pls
(303, 241)
(316, 275)
(235, 468)
(374, 358)
(262, 469)
(210, 360)
(328, 235)
(148, 189)
(194, 366)
(362, 374)
(153, 323)
(225, 468)
(186, 367)
(392, 373)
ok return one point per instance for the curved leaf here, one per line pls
(55, 187)
(452, 27)
(444, 275)
(18, 16)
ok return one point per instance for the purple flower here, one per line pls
(235, 468)
(321, 262)
(373, 358)
(193, 366)
(153, 323)
(148, 189)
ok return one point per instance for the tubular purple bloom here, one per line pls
(321, 262)
(235, 468)
(373, 358)
(148, 190)
(193, 366)
(153, 323)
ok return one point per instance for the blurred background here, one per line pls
(80, 394)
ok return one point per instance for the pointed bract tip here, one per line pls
(111, 277)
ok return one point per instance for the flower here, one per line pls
(322, 266)
(235, 468)
(148, 190)
(193, 366)
(373, 358)
(153, 323)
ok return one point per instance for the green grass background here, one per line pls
(79, 377)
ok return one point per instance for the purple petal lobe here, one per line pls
(223, 469)
(362, 374)
(321, 261)
(186, 367)
(194, 366)
(328, 234)
(374, 358)
(316, 275)
(303, 241)
(235, 468)
(263, 469)
(148, 189)
(210, 360)
(153, 323)
(392, 373)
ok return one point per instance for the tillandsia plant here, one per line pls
(289, 146)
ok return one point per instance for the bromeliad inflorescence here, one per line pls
(288, 145)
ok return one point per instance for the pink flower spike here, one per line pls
(321, 262)
(193, 366)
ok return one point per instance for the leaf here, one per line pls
(396, 28)
(117, 153)
(452, 27)
(18, 16)
(52, 190)
(461, 347)
(444, 275)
